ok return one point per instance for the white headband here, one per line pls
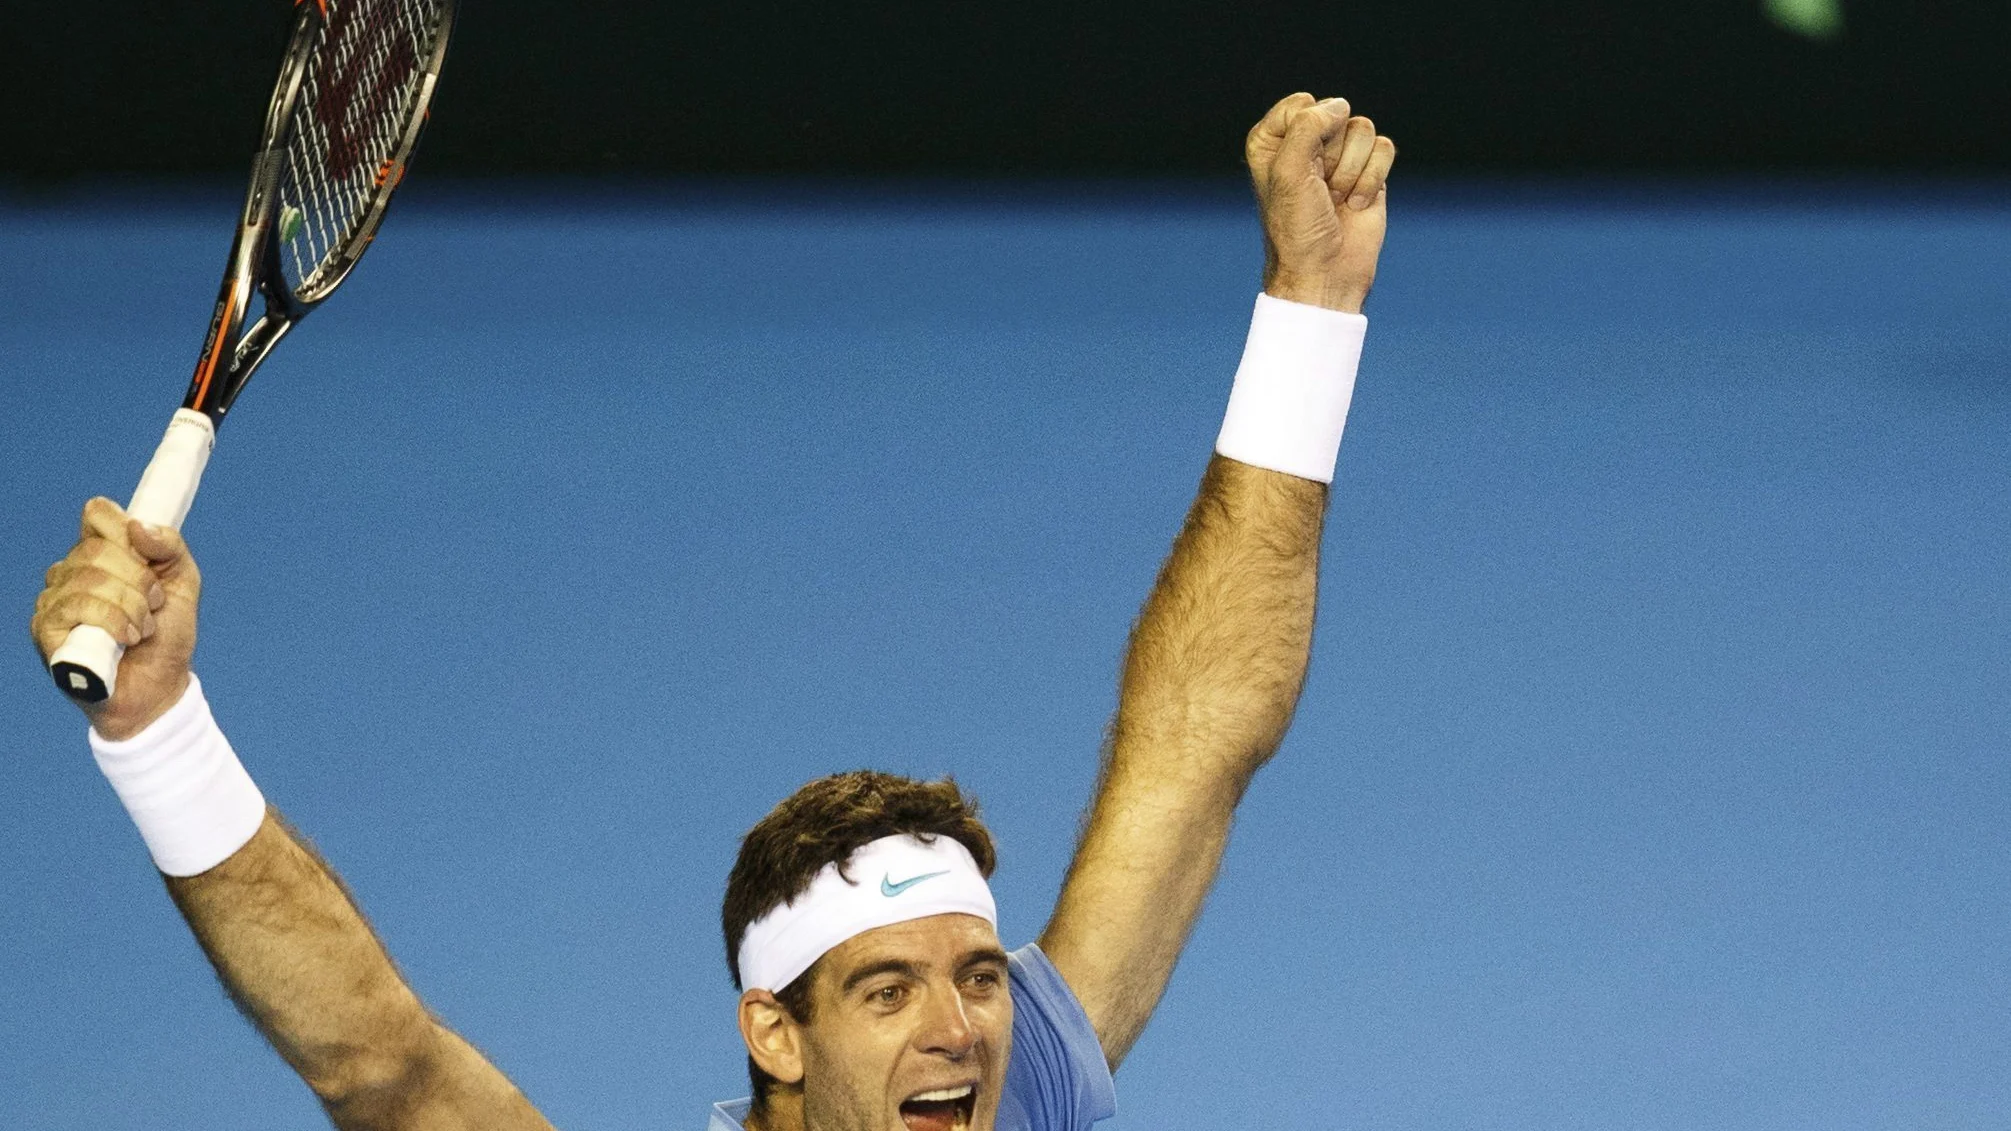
(894, 879)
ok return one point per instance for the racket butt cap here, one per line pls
(86, 667)
(79, 682)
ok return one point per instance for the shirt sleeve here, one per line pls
(1057, 1079)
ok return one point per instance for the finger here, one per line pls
(1270, 129)
(1272, 124)
(161, 546)
(117, 612)
(105, 519)
(119, 561)
(1348, 154)
(1374, 178)
(53, 624)
(1306, 136)
(130, 599)
(136, 598)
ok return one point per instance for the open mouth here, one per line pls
(944, 1109)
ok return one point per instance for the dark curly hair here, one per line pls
(825, 822)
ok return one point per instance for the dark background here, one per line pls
(1040, 87)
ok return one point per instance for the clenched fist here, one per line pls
(139, 584)
(1319, 174)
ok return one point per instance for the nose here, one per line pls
(946, 1029)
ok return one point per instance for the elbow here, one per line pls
(377, 1084)
(1215, 748)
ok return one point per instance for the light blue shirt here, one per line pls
(1056, 1080)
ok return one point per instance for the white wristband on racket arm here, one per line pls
(1290, 400)
(182, 783)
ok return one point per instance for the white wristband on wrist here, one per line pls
(182, 783)
(1290, 400)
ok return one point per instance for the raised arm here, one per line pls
(1220, 650)
(289, 944)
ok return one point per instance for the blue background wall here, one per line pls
(1651, 772)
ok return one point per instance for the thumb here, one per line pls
(1262, 145)
(1306, 134)
(162, 546)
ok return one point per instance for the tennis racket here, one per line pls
(345, 116)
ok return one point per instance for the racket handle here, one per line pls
(86, 667)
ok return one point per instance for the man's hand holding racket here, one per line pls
(1319, 172)
(141, 587)
(354, 86)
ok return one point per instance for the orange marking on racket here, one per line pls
(216, 351)
(321, 4)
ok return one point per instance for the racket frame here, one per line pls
(86, 666)
(228, 359)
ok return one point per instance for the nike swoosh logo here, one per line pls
(891, 889)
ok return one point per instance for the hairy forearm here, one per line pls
(1219, 652)
(1210, 682)
(303, 964)
(300, 960)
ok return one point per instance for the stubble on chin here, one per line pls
(829, 1110)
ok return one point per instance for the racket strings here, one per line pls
(356, 101)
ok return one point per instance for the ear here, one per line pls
(774, 1038)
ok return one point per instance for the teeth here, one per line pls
(943, 1095)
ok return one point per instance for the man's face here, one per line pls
(910, 1029)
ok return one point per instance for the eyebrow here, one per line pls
(873, 970)
(906, 969)
(989, 954)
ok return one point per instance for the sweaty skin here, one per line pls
(1219, 652)
(910, 1009)
(1209, 685)
(288, 943)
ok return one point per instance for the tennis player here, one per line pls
(875, 992)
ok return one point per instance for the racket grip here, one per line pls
(86, 667)
(168, 486)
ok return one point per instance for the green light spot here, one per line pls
(1815, 19)
(289, 223)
